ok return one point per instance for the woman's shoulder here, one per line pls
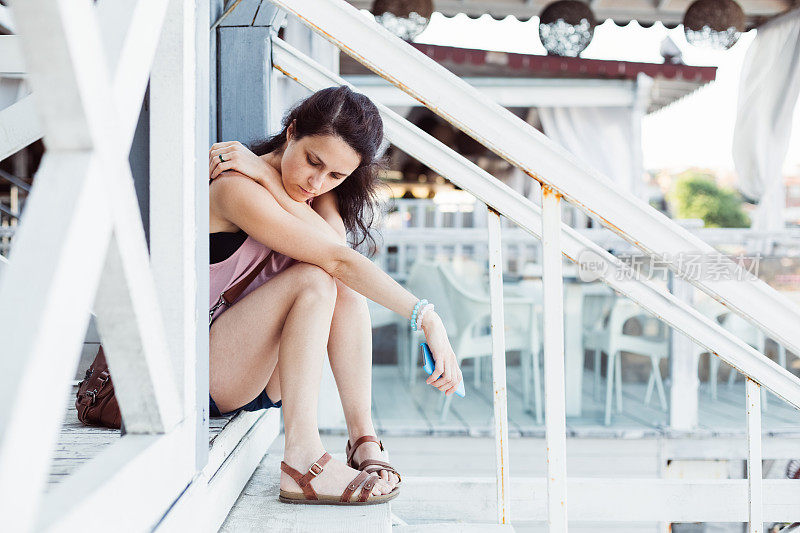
(229, 190)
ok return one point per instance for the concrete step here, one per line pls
(258, 509)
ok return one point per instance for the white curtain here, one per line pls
(768, 88)
(609, 139)
(605, 138)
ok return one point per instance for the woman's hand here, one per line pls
(446, 375)
(237, 157)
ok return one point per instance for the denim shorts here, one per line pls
(261, 402)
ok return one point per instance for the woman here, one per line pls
(309, 184)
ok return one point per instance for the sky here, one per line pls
(694, 131)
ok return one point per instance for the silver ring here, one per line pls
(220, 159)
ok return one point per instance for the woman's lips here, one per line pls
(305, 191)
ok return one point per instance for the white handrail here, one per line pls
(544, 160)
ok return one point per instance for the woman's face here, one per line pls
(315, 164)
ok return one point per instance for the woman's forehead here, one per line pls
(333, 151)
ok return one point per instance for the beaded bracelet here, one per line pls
(421, 313)
(413, 319)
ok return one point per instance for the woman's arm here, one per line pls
(241, 161)
(300, 210)
(253, 209)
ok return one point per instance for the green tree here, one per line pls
(697, 195)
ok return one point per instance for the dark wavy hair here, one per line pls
(355, 119)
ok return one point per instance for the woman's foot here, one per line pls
(372, 450)
(332, 481)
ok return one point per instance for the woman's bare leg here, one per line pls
(285, 322)
(350, 354)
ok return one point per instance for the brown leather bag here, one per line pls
(96, 403)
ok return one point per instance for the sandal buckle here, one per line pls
(313, 472)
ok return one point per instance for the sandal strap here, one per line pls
(374, 465)
(351, 450)
(367, 488)
(304, 480)
(354, 484)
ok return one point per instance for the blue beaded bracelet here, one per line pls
(420, 303)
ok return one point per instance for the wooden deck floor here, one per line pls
(402, 410)
(78, 443)
(399, 410)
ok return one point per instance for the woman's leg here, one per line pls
(285, 322)
(350, 354)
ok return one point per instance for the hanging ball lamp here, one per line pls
(714, 24)
(404, 18)
(566, 27)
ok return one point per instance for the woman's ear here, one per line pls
(290, 130)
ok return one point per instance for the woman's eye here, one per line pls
(312, 163)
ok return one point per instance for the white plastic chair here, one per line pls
(468, 312)
(609, 338)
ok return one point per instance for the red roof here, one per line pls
(485, 62)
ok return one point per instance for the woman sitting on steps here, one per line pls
(266, 350)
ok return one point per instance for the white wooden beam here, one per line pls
(130, 53)
(555, 418)
(178, 216)
(46, 292)
(19, 126)
(144, 381)
(500, 395)
(75, 29)
(755, 483)
(11, 61)
(683, 391)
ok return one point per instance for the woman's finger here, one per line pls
(437, 371)
(220, 168)
(223, 144)
(226, 153)
(214, 161)
(230, 160)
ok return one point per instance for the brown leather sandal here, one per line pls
(371, 466)
(310, 497)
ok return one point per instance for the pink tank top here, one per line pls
(247, 257)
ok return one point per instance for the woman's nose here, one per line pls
(315, 183)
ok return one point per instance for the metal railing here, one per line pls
(562, 177)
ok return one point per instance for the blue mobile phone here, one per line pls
(429, 365)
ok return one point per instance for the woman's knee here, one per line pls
(313, 279)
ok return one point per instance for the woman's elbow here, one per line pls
(341, 259)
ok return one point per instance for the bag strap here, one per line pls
(236, 290)
(228, 296)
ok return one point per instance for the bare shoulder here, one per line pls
(228, 191)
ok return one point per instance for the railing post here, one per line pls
(754, 475)
(555, 421)
(499, 368)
